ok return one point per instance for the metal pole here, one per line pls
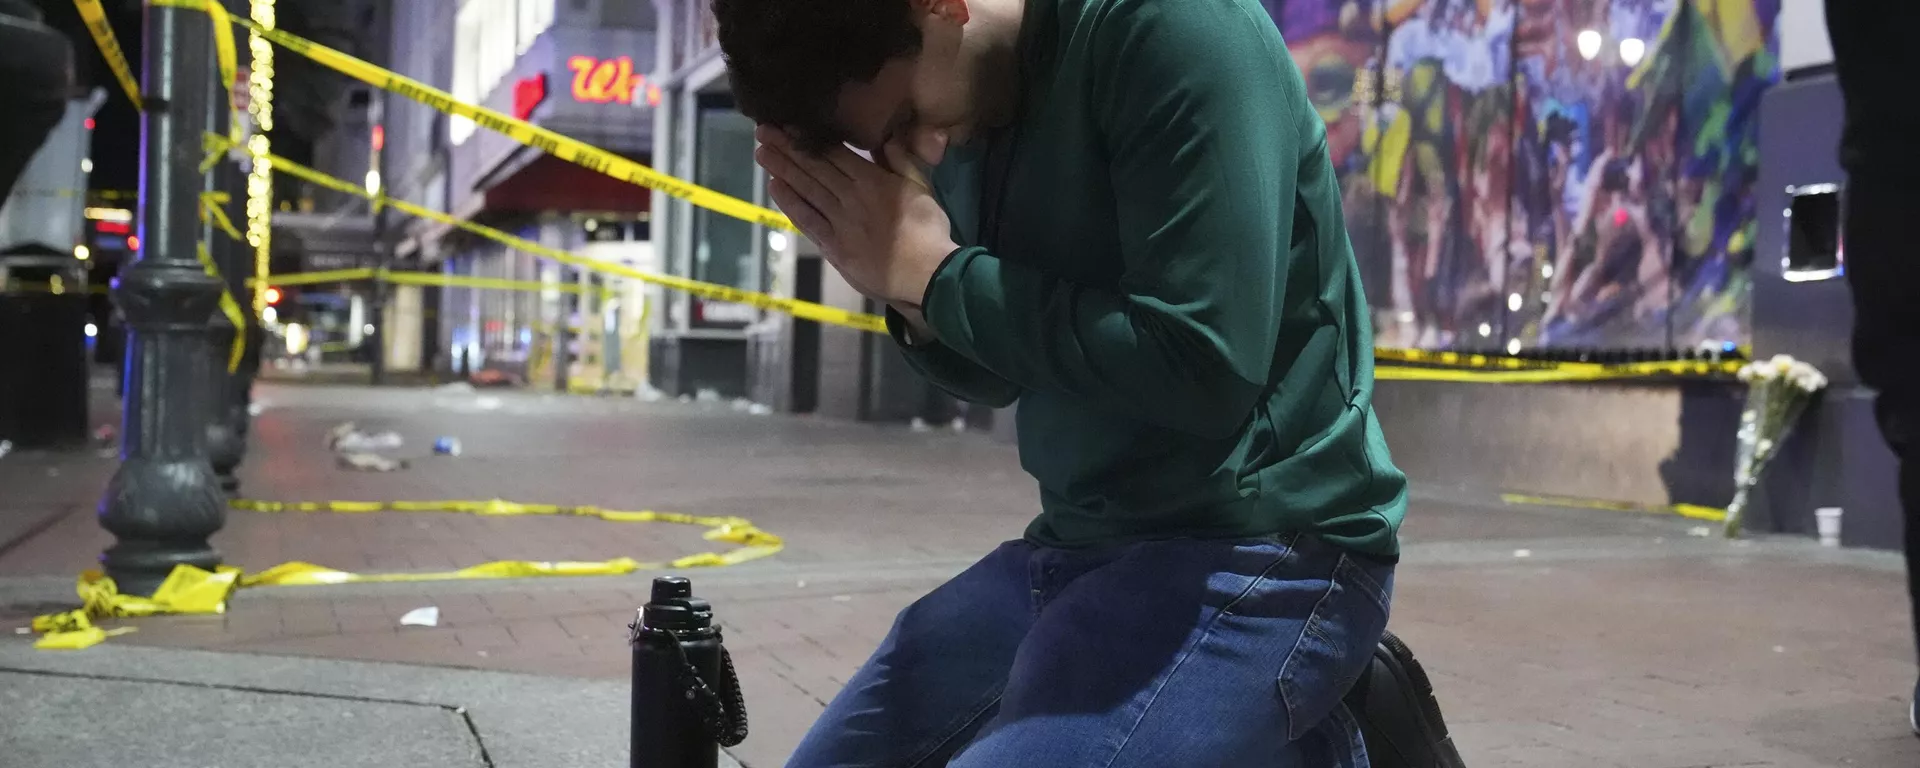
(235, 259)
(382, 248)
(377, 313)
(226, 406)
(563, 331)
(164, 501)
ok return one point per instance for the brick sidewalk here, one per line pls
(1617, 641)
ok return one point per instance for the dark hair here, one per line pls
(788, 59)
(1560, 128)
(1613, 178)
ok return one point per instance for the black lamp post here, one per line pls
(227, 393)
(164, 501)
(227, 390)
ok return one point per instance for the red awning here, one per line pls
(551, 184)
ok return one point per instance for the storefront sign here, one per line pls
(605, 81)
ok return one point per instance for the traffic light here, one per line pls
(273, 296)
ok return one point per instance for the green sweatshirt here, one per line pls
(1164, 283)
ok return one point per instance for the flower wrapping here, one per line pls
(1778, 391)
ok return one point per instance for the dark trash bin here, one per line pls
(43, 351)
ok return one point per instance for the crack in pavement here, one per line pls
(473, 731)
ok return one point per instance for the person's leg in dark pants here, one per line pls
(936, 677)
(938, 409)
(1883, 268)
(1875, 58)
(1196, 653)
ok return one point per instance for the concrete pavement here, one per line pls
(121, 705)
(1557, 637)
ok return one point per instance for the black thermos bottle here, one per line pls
(669, 720)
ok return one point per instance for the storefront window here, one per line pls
(535, 17)
(708, 33)
(489, 35)
(723, 246)
(674, 37)
(496, 42)
(466, 66)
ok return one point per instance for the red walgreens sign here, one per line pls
(528, 93)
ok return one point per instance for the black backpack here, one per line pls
(1398, 713)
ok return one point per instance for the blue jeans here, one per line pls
(1185, 653)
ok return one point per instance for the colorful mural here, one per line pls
(1562, 173)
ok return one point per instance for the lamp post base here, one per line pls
(162, 513)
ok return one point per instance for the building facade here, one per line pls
(733, 350)
(577, 67)
(699, 136)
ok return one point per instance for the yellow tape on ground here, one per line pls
(754, 543)
(186, 590)
(193, 590)
(1691, 511)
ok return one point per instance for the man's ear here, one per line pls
(952, 11)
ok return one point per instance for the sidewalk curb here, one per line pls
(518, 721)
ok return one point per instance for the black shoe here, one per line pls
(1398, 714)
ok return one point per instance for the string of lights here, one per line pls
(259, 149)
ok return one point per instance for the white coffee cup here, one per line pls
(1827, 520)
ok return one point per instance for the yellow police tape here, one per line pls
(210, 202)
(550, 142)
(431, 279)
(228, 307)
(1691, 511)
(485, 283)
(1553, 372)
(1435, 365)
(189, 590)
(328, 276)
(593, 158)
(804, 310)
(16, 285)
(102, 31)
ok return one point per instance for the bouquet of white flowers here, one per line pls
(1778, 390)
